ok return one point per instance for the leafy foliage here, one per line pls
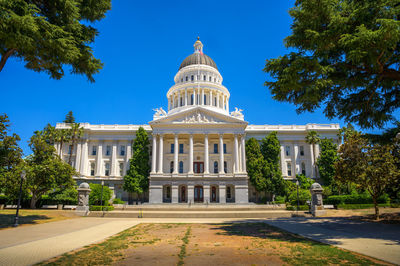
(69, 118)
(304, 196)
(344, 56)
(137, 177)
(49, 35)
(304, 182)
(326, 160)
(95, 194)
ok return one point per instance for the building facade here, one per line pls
(197, 146)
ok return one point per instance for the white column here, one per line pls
(221, 153)
(211, 98)
(194, 96)
(293, 159)
(174, 194)
(222, 193)
(154, 154)
(78, 156)
(240, 159)
(206, 160)
(160, 155)
(217, 99)
(191, 154)
(227, 104)
(173, 101)
(244, 170)
(176, 143)
(202, 97)
(84, 160)
(206, 193)
(313, 174)
(190, 193)
(236, 155)
(186, 97)
(99, 161)
(114, 159)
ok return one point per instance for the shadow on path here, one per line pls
(7, 220)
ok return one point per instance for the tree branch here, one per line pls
(5, 56)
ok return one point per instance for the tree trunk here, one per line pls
(376, 207)
(5, 56)
(61, 146)
(315, 161)
(70, 155)
(33, 201)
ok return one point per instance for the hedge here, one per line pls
(354, 199)
(360, 206)
(101, 208)
(301, 208)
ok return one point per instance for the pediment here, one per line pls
(197, 115)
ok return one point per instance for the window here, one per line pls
(171, 167)
(186, 78)
(94, 150)
(107, 171)
(180, 147)
(121, 169)
(215, 167)
(122, 151)
(205, 99)
(172, 147)
(191, 99)
(181, 167)
(303, 168)
(215, 101)
(70, 149)
(287, 150)
(289, 169)
(224, 147)
(301, 150)
(192, 78)
(209, 79)
(228, 192)
(225, 167)
(181, 101)
(204, 77)
(108, 150)
(168, 192)
(215, 147)
(92, 167)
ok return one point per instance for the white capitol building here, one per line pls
(197, 145)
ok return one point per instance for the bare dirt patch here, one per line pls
(387, 215)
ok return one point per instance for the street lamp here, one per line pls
(23, 174)
(297, 185)
(101, 200)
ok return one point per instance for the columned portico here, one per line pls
(160, 155)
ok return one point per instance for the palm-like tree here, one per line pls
(76, 132)
(313, 139)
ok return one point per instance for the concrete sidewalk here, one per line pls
(381, 241)
(32, 244)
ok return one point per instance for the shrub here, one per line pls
(304, 196)
(280, 199)
(305, 182)
(95, 194)
(101, 208)
(360, 206)
(354, 198)
(118, 201)
(294, 208)
(68, 196)
(3, 199)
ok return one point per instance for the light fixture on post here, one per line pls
(23, 174)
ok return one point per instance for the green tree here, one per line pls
(313, 139)
(255, 165)
(271, 148)
(344, 56)
(304, 182)
(326, 161)
(49, 35)
(76, 133)
(45, 170)
(95, 194)
(372, 167)
(69, 118)
(137, 177)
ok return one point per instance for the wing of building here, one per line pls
(197, 145)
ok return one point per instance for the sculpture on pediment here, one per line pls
(197, 117)
(237, 113)
(159, 113)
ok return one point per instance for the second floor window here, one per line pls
(181, 148)
(181, 167)
(224, 147)
(215, 147)
(108, 150)
(301, 150)
(107, 169)
(287, 150)
(94, 150)
(92, 167)
(172, 147)
(303, 168)
(171, 167)
(289, 169)
(122, 151)
(215, 167)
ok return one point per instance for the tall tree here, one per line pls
(45, 170)
(344, 56)
(313, 139)
(370, 167)
(49, 35)
(137, 177)
(69, 118)
(271, 148)
(326, 161)
(255, 165)
(76, 133)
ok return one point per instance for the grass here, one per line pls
(30, 217)
(255, 239)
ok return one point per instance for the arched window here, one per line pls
(192, 78)
(225, 167)
(181, 167)
(191, 99)
(215, 167)
(209, 79)
(204, 77)
(171, 167)
(303, 168)
(181, 100)
(186, 78)
(215, 101)
(205, 99)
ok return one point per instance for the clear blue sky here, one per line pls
(142, 44)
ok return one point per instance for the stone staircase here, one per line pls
(198, 211)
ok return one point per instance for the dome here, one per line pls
(198, 57)
(195, 59)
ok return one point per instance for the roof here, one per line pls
(198, 58)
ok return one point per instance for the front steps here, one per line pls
(197, 211)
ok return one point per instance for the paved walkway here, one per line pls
(381, 241)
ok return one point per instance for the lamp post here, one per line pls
(101, 200)
(297, 186)
(23, 174)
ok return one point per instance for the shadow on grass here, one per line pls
(7, 220)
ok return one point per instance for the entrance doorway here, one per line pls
(183, 194)
(198, 167)
(213, 194)
(198, 194)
